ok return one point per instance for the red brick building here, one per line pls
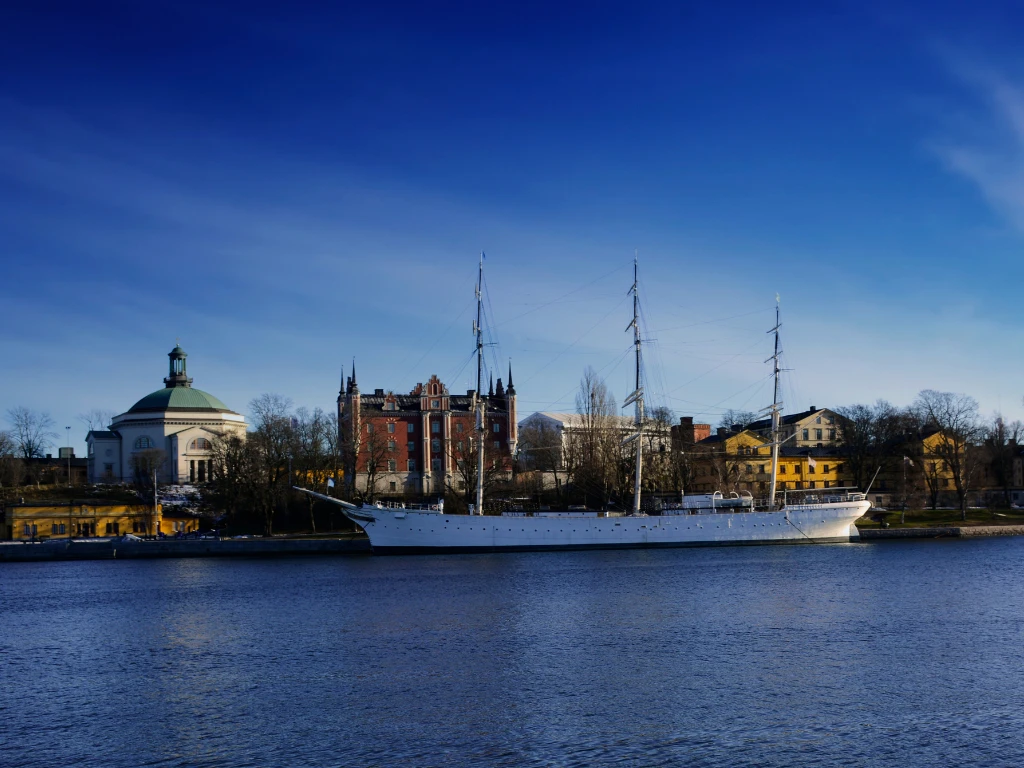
(423, 442)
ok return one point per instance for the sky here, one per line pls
(286, 188)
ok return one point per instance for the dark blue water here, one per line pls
(908, 654)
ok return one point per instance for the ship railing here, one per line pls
(414, 507)
(802, 497)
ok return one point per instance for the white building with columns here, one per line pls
(175, 426)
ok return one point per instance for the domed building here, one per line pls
(173, 427)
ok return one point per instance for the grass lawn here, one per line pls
(945, 518)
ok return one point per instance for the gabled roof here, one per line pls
(102, 434)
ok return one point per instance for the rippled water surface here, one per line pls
(908, 654)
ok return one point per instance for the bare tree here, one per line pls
(96, 419)
(955, 417)
(466, 459)
(314, 452)
(594, 442)
(1003, 446)
(32, 431)
(270, 446)
(872, 437)
(12, 468)
(732, 418)
(540, 450)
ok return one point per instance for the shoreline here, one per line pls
(110, 549)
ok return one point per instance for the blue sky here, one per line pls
(286, 188)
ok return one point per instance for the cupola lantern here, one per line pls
(178, 376)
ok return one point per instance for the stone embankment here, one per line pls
(963, 532)
(116, 549)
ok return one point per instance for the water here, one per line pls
(898, 654)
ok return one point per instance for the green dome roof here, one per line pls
(179, 399)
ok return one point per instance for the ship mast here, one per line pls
(775, 408)
(637, 398)
(481, 427)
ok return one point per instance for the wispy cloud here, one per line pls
(985, 145)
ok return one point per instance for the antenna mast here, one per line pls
(481, 427)
(775, 408)
(637, 398)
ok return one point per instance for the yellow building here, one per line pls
(40, 520)
(741, 461)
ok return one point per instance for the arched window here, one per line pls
(142, 443)
(199, 444)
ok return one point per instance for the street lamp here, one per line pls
(68, 431)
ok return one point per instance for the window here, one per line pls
(839, 468)
(807, 434)
(750, 468)
(392, 465)
(392, 445)
(810, 468)
(458, 427)
(108, 470)
(818, 420)
(435, 427)
(782, 469)
(826, 483)
(117, 529)
(391, 427)
(435, 445)
(369, 428)
(762, 469)
(110, 528)
(412, 465)
(817, 434)
(797, 469)
(497, 427)
(497, 445)
(435, 403)
(392, 486)
(812, 484)
(390, 405)
(462, 485)
(825, 469)
(435, 465)
(410, 427)
(199, 444)
(410, 446)
(142, 443)
(461, 446)
(831, 434)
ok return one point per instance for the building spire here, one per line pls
(490, 389)
(511, 387)
(354, 387)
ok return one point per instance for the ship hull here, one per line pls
(397, 531)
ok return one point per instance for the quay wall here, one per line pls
(967, 531)
(108, 549)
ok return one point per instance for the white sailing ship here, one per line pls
(707, 520)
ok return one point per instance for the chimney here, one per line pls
(723, 431)
(379, 392)
(814, 409)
